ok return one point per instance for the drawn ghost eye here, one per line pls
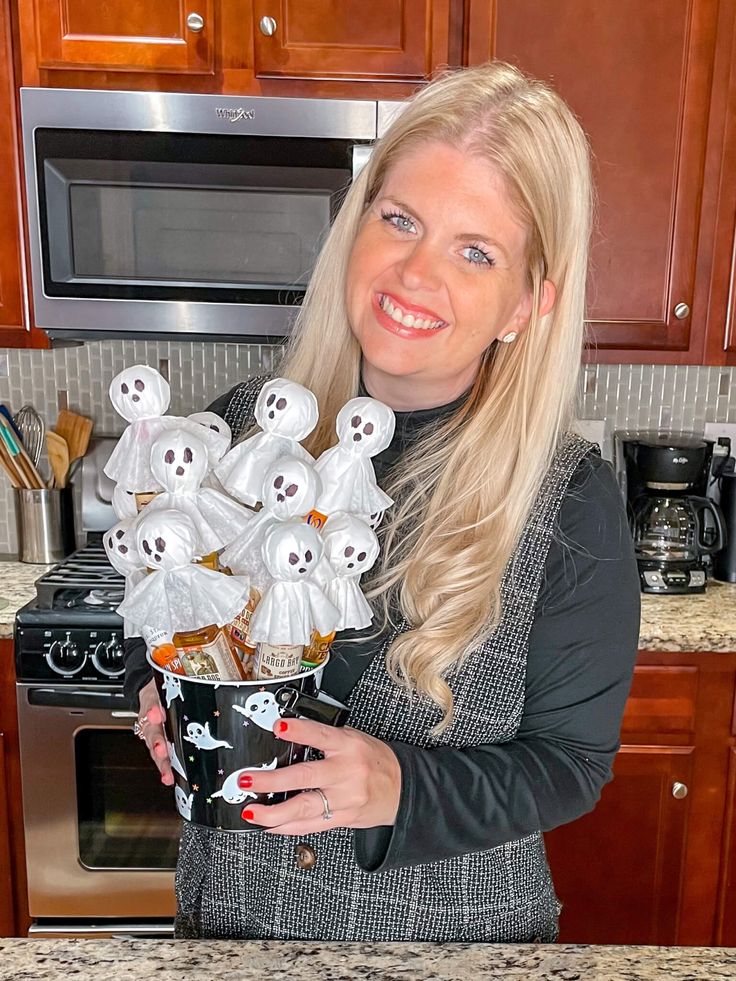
(293, 558)
(355, 422)
(119, 533)
(368, 428)
(160, 545)
(278, 483)
(216, 428)
(110, 542)
(139, 385)
(270, 400)
(291, 490)
(188, 455)
(146, 547)
(169, 456)
(281, 404)
(124, 389)
(361, 556)
(308, 556)
(348, 551)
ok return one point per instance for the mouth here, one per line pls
(405, 323)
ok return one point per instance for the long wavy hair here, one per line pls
(465, 493)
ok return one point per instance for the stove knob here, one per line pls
(108, 658)
(64, 657)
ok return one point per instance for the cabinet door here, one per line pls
(638, 77)
(7, 918)
(395, 39)
(618, 871)
(11, 276)
(726, 923)
(126, 35)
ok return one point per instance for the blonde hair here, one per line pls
(464, 495)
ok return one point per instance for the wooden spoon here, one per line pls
(58, 452)
(76, 430)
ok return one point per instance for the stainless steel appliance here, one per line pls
(675, 526)
(101, 830)
(167, 213)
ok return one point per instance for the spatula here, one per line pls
(58, 453)
(75, 429)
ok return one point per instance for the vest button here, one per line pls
(305, 855)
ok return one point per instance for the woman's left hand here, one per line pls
(360, 776)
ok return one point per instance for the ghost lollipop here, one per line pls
(365, 427)
(122, 551)
(179, 597)
(290, 489)
(351, 547)
(179, 464)
(210, 420)
(286, 412)
(123, 503)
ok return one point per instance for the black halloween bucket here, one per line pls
(217, 730)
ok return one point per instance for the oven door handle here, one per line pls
(63, 698)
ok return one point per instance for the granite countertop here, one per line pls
(706, 622)
(164, 960)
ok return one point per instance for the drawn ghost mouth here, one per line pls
(180, 471)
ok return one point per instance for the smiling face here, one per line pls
(436, 274)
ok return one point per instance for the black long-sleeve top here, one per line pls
(582, 649)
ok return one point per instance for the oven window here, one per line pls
(126, 818)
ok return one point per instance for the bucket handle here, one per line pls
(321, 708)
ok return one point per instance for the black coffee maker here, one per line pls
(664, 477)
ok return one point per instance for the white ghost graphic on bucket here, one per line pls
(202, 738)
(231, 793)
(261, 708)
(172, 688)
(183, 803)
(175, 761)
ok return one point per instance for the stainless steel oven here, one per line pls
(163, 213)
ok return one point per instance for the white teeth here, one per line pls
(408, 319)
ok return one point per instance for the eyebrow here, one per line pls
(465, 236)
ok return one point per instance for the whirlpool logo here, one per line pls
(235, 115)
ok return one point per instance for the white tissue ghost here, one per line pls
(372, 520)
(260, 708)
(183, 803)
(177, 595)
(201, 737)
(123, 503)
(172, 688)
(175, 761)
(210, 420)
(290, 490)
(286, 412)
(122, 552)
(141, 396)
(179, 462)
(231, 793)
(364, 427)
(294, 605)
(351, 548)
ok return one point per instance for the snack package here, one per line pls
(289, 489)
(286, 412)
(351, 547)
(294, 605)
(179, 596)
(124, 557)
(179, 463)
(364, 427)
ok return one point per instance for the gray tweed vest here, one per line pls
(249, 885)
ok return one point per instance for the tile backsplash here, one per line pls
(672, 397)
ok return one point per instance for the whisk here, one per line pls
(32, 431)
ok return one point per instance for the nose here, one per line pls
(420, 267)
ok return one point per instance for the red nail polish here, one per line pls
(247, 814)
(245, 780)
(283, 726)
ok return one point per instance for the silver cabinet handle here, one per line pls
(679, 790)
(195, 22)
(268, 26)
(681, 311)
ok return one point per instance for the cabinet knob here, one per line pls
(681, 311)
(679, 790)
(267, 26)
(195, 22)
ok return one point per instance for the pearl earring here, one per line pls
(508, 338)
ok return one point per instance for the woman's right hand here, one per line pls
(151, 721)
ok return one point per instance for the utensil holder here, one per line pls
(45, 523)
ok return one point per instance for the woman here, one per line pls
(452, 288)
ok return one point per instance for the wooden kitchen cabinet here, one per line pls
(7, 902)
(14, 918)
(638, 76)
(726, 925)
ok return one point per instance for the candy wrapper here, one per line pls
(364, 427)
(141, 396)
(351, 548)
(289, 490)
(122, 552)
(179, 463)
(286, 412)
(178, 596)
(294, 605)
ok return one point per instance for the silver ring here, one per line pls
(326, 813)
(138, 727)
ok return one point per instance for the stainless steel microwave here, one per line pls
(159, 214)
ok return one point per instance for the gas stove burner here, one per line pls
(104, 597)
(85, 573)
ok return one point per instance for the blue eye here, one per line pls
(477, 257)
(399, 220)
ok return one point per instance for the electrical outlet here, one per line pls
(715, 429)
